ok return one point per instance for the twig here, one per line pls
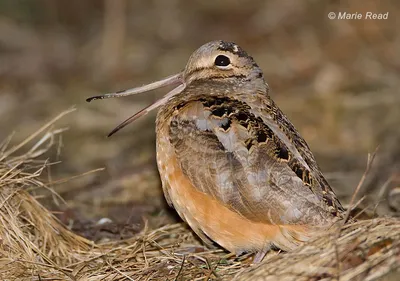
(371, 158)
(120, 272)
(4, 144)
(213, 269)
(181, 268)
(347, 215)
(384, 188)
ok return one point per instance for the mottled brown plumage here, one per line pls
(231, 163)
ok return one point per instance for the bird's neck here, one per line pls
(224, 87)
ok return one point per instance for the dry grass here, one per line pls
(34, 245)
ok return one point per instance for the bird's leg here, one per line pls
(259, 256)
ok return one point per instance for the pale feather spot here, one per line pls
(224, 183)
(233, 139)
(202, 124)
(228, 139)
(235, 49)
(256, 191)
(291, 214)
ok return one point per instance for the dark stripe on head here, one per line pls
(232, 48)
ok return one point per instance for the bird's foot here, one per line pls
(259, 256)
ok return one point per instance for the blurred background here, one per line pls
(337, 81)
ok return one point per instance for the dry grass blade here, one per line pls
(60, 181)
(35, 134)
(34, 245)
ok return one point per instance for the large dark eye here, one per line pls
(222, 61)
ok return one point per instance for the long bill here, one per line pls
(176, 79)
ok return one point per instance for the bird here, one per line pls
(231, 163)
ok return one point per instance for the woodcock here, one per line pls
(231, 163)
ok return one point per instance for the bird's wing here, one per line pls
(264, 107)
(233, 156)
